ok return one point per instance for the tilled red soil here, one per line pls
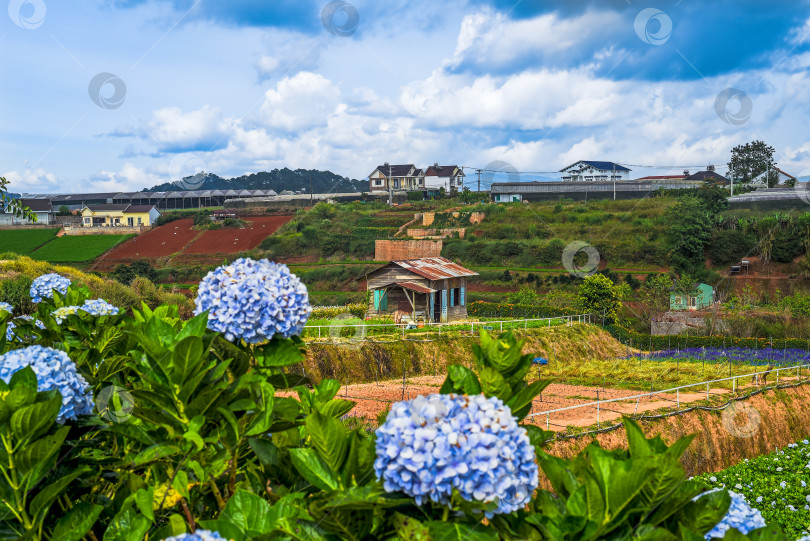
(229, 241)
(159, 242)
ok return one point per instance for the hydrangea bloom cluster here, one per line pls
(43, 286)
(740, 515)
(6, 307)
(10, 331)
(199, 535)
(99, 307)
(253, 300)
(54, 370)
(430, 445)
(61, 313)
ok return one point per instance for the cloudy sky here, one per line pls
(105, 95)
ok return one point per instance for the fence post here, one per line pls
(547, 421)
(678, 398)
(597, 414)
(707, 391)
(501, 326)
(319, 332)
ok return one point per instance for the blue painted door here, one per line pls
(444, 305)
(432, 304)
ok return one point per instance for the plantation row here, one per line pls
(43, 245)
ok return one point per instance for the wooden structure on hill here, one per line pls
(428, 289)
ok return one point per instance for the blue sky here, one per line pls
(247, 85)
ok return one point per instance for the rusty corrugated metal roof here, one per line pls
(413, 286)
(435, 268)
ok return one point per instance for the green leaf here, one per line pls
(144, 499)
(43, 500)
(278, 352)
(195, 326)
(32, 421)
(329, 438)
(459, 531)
(25, 377)
(462, 380)
(525, 396)
(408, 528)
(156, 452)
(176, 525)
(336, 408)
(248, 512)
(186, 358)
(180, 483)
(77, 522)
(20, 396)
(494, 384)
(38, 452)
(313, 469)
(265, 450)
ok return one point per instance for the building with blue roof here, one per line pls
(593, 171)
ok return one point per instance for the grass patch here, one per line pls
(79, 248)
(24, 241)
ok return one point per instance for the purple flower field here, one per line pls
(763, 356)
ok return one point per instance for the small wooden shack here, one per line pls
(427, 289)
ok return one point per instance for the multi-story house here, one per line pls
(449, 177)
(396, 177)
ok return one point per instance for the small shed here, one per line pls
(429, 289)
(703, 298)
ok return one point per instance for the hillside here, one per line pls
(277, 179)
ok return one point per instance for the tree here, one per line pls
(653, 298)
(690, 230)
(63, 211)
(12, 205)
(526, 295)
(750, 160)
(598, 295)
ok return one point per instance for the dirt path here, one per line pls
(374, 398)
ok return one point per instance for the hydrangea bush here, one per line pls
(54, 370)
(431, 445)
(740, 516)
(199, 429)
(43, 286)
(253, 301)
(6, 307)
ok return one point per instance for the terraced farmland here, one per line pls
(24, 241)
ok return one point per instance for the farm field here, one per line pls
(75, 249)
(161, 241)
(24, 241)
(229, 241)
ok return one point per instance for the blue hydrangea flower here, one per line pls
(60, 314)
(199, 535)
(10, 331)
(31, 318)
(43, 286)
(54, 370)
(6, 307)
(99, 307)
(430, 445)
(740, 515)
(253, 300)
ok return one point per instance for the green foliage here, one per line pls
(775, 481)
(689, 231)
(25, 241)
(14, 290)
(598, 295)
(509, 310)
(639, 493)
(127, 273)
(730, 246)
(77, 248)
